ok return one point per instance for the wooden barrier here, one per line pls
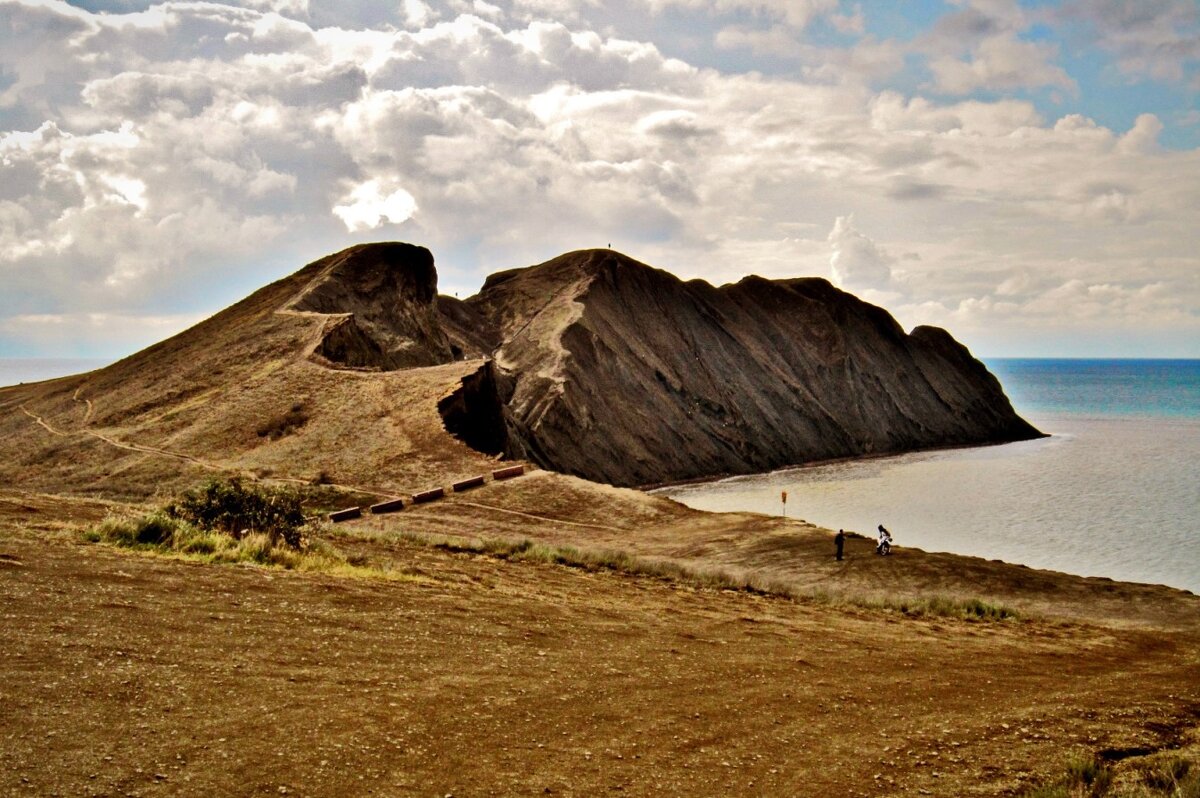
(509, 472)
(428, 495)
(390, 506)
(345, 515)
(467, 484)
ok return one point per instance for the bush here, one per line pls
(237, 509)
(1084, 777)
(1089, 774)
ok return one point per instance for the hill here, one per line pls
(590, 364)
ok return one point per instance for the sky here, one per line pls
(1024, 174)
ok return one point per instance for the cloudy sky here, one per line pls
(1025, 174)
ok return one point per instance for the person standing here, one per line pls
(839, 540)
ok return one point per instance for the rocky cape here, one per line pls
(354, 370)
(603, 367)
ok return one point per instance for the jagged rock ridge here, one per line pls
(612, 370)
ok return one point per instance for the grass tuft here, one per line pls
(1154, 776)
(161, 534)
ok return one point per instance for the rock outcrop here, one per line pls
(617, 372)
(384, 303)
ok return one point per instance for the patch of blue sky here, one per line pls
(903, 21)
(1115, 99)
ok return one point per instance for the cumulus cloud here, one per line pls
(795, 13)
(159, 158)
(1000, 63)
(370, 204)
(1158, 39)
(857, 262)
(982, 46)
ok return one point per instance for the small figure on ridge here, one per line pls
(885, 542)
(840, 540)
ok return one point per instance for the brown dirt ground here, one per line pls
(127, 674)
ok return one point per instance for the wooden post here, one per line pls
(428, 495)
(467, 484)
(783, 496)
(508, 473)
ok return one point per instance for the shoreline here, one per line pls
(654, 487)
(1078, 507)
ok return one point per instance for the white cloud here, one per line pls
(159, 156)
(857, 263)
(795, 13)
(50, 333)
(1159, 39)
(369, 205)
(1000, 63)
(1143, 136)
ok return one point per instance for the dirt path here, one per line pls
(542, 518)
(41, 422)
(91, 409)
(131, 675)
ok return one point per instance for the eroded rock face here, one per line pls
(617, 372)
(600, 366)
(387, 294)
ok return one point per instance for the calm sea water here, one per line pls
(15, 370)
(1114, 492)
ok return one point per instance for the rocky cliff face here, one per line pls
(383, 304)
(600, 366)
(617, 372)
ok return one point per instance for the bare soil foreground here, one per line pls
(464, 674)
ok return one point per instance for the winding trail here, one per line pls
(42, 423)
(137, 447)
(547, 519)
(87, 417)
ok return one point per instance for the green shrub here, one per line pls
(1091, 774)
(163, 534)
(232, 507)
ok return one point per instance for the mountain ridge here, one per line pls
(591, 364)
(618, 372)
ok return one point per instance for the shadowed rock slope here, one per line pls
(621, 373)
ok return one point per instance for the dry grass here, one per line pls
(161, 534)
(1162, 775)
(525, 550)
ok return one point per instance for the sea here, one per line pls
(1114, 491)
